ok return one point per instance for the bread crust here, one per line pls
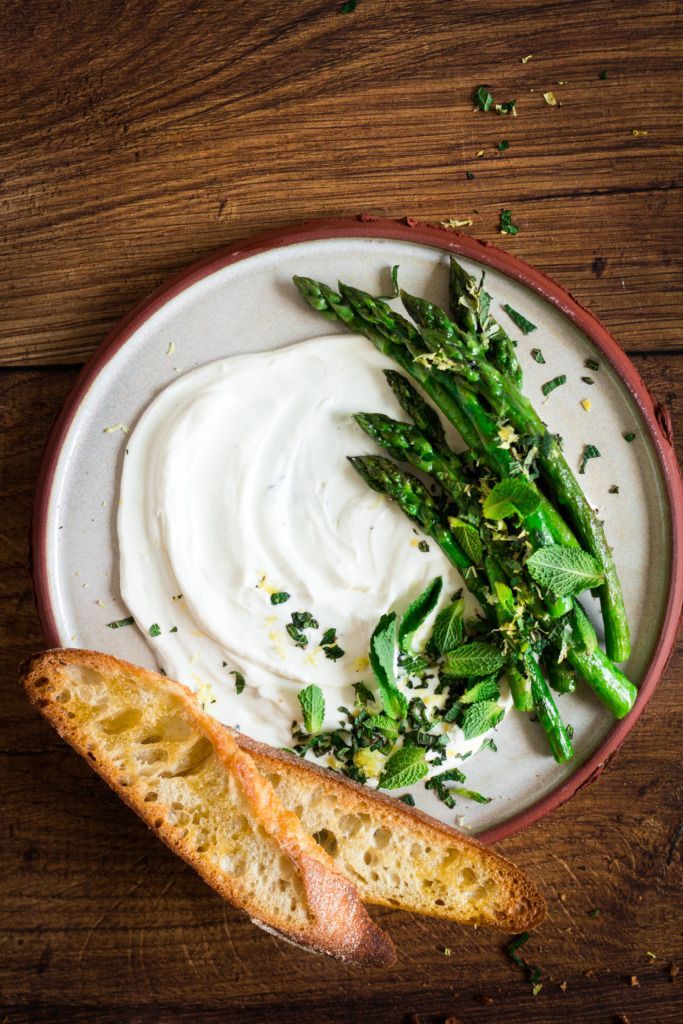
(339, 924)
(525, 913)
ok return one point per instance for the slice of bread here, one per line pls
(392, 854)
(187, 778)
(396, 855)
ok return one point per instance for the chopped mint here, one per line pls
(304, 620)
(524, 325)
(300, 639)
(589, 452)
(505, 225)
(556, 382)
(482, 97)
(119, 623)
(471, 794)
(363, 694)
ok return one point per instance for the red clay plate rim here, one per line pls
(367, 226)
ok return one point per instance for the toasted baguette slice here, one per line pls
(187, 778)
(396, 855)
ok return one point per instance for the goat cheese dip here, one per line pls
(236, 486)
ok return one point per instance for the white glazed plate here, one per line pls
(243, 301)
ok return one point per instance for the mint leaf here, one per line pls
(487, 689)
(584, 629)
(382, 645)
(155, 629)
(474, 659)
(448, 628)
(334, 652)
(313, 708)
(468, 538)
(381, 723)
(506, 599)
(280, 597)
(480, 717)
(417, 612)
(406, 766)
(564, 571)
(511, 496)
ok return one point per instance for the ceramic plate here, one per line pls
(242, 300)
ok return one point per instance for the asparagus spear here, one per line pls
(407, 443)
(397, 338)
(443, 335)
(562, 677)
(414, 499)
(469, 305)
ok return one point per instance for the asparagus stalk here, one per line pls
(548, 715)
(400, 344)
(418, 504)
(407, 443)
(470, 309)
(413, 498)
(519, 682)
(441, 334)
(398, 339)
(562, 677)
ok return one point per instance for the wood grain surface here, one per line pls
(137, 136)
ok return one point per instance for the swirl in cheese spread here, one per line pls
(236, 485)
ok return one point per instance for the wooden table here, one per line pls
(138, 136)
